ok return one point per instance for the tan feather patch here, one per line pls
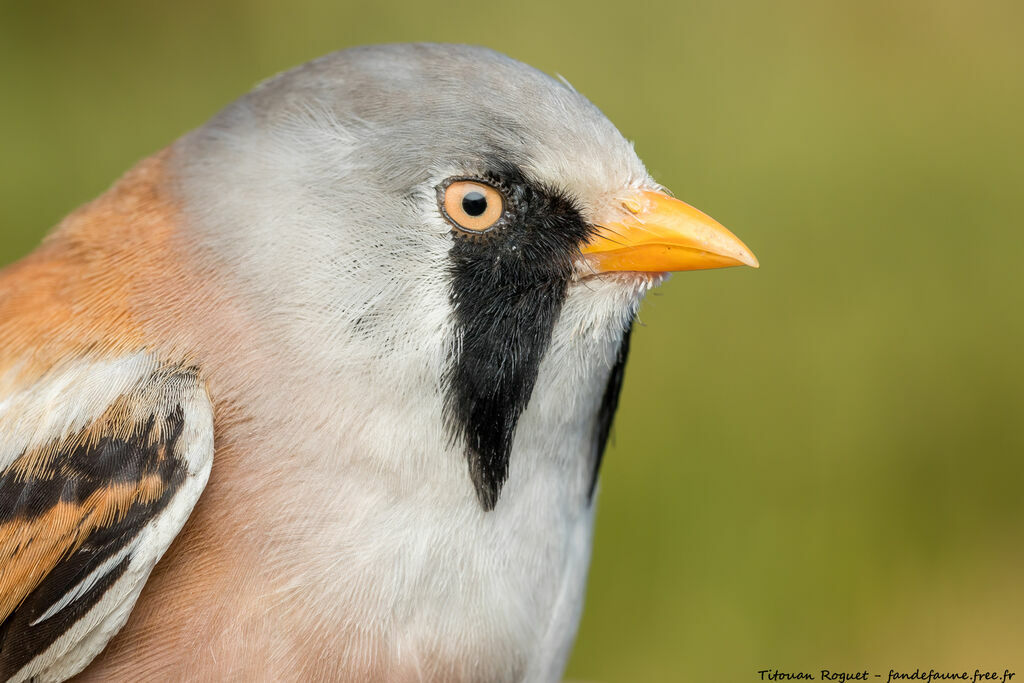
(30, 549)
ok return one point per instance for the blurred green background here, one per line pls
(818, 464)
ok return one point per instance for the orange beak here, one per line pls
(657, 233)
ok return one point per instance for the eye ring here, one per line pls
(470, 205)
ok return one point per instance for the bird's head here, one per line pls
(440, 215)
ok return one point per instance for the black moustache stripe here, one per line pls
(609, 404)
(507, 291)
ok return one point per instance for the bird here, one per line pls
(321, 390)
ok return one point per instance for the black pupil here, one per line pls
(474, 203)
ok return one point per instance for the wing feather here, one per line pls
(85, 514)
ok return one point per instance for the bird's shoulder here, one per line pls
(101, 462)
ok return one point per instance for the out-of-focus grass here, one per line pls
(818, 464)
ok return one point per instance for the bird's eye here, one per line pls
(471, 206)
